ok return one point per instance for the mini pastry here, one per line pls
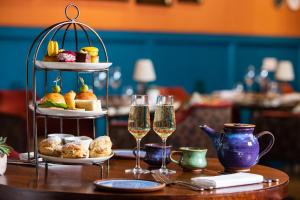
(94, 59)
(54, 99)
(100, 147)
(88, 105)
(52, 48)
(51, 146)
(84, 93)
(48, 58)
(93, 52)
(70, 99)
(83, 57)
(66, 56)
(74, 150)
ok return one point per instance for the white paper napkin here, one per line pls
(228, 180)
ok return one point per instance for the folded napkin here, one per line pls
(228, 180)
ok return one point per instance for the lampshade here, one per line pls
(144, 71)
(285, 71)
(269, 64)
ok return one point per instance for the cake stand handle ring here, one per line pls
(66, 12)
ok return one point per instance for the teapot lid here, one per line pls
(238, 125)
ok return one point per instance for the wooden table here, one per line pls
(76, 182)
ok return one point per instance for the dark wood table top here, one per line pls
(76, 182)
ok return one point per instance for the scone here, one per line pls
(100, 147)
(51, 146)
(74, 150)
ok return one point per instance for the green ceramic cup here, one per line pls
(192, 158)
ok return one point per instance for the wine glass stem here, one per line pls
(163, 166)
(138, 147)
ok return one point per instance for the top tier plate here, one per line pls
(72, 66)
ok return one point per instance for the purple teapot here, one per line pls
(237, 147)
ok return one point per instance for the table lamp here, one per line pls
(284, 74)
(268, 68)
(143, 73)
(269, 64)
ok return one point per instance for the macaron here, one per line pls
(52, 48)
(92, 51)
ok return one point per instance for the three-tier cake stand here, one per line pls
(36, 67)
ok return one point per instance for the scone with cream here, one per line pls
(74, 150)
(51, 146)
(100, 147)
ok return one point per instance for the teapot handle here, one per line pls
(270, 145)
(174, 160)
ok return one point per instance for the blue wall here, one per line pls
(194, 61)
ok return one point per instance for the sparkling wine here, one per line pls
(164, 121)
(139, 121)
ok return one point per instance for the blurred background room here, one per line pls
(223, 60)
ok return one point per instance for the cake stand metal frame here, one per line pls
(31, 61)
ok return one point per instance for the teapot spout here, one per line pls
(214, 136)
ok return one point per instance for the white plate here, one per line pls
(76, 160)
(72, 65)
(24, 156)
(68, 113)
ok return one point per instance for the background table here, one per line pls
(76, 182)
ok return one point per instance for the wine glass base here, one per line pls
(163, 171)
(137, 171)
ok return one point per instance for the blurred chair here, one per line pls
(179, 93)
(13, 102)
(285, 126)
(189, 134)
(13, 118)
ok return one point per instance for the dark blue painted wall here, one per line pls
(194, 61)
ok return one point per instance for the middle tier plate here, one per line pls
(69, 113)
(72, 66)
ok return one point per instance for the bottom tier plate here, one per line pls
(76, 160)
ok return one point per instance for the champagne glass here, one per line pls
(139, 126)
(164, 125)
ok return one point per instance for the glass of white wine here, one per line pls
(139, 126)
(164, 125)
